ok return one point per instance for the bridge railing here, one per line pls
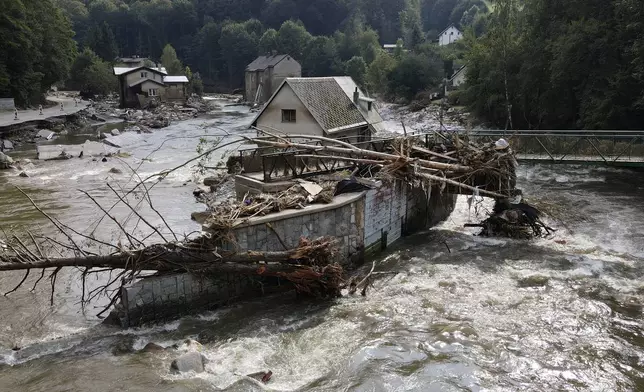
(602, 146)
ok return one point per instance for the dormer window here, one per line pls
(144, 74)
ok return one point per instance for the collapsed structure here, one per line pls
(306, 213)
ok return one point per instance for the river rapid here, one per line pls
(563, 313)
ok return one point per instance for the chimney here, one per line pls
(356, 96)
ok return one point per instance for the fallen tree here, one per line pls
(312, 266)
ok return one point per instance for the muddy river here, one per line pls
(557, 314)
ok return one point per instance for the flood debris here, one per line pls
(514, 219)
(450, 164)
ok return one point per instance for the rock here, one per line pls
(201, 190)
(191, 361)
(23, 174)
(45, 134)
(534, 281)
(152, 347)
(115, 132)
(133, 129)
(104, 135)
(6, 145)
(5, 161)
(104, 159)
(64, 132)
(200, 217)
(211, 181)
(116, 171)
(125, 346)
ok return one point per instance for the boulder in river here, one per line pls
(5, 161)
(115, 170)
(23, 174)
(191, 361)
(6, 145)
(115, 132)
(152, 347)
(211, 181)
(45, 134)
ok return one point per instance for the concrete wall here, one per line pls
(364, 224)
(344, 220)
(287, 68)
(160, 298)
(7, 104)
(286, 99)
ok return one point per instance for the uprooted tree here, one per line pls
(458, 165)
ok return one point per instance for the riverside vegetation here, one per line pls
(532, 63)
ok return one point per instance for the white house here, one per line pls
(330, 106)
(449, 35)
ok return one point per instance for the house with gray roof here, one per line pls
(139, 85)
(331, 106)
(265, 74)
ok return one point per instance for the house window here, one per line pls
(152, 92)
(144, 74)
(288, 115)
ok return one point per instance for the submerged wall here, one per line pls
(364, 224)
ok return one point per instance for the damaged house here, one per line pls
(266, 73)
(139, 85)
(329, 106)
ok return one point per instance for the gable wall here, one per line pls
(286, 99)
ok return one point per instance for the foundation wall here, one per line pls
(363, 223)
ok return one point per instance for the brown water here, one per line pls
(466, 320)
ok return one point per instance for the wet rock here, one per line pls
(45, 134)
(191, 361)
(201, 190)
(211, 181)
(23, 174)
(115, 132)
(115, 170)
(264, 377)
(533, 281)
(104, 159)
(6, 145)
(152, 347)
(5, 161)
(124, 346)
(200, 217)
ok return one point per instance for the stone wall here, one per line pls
(160, 298)
(7, 104)
(364, 224)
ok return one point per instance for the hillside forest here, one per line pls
(533, 64)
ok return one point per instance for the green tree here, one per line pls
(101, 40)
(170, 61)
(37, 49)
(268, 42)
(410, 22)
(320, 58)
(415, 73)
(378, 72)
(238, 49)
(91, 75)
(357, 69)
(292, 38)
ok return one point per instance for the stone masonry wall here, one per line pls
(167, 297)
